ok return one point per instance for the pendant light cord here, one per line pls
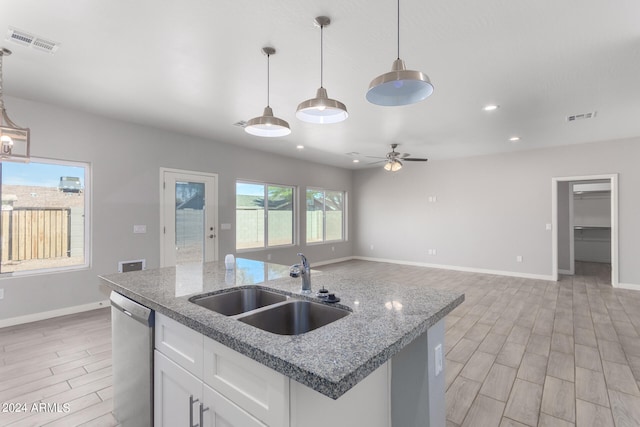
(321, 55)
(268, 80)
(398, 29)
(1, 92)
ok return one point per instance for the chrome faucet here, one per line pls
(303, 270)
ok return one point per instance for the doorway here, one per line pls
(583, 225)
(188, 217)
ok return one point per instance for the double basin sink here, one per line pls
(270, 311)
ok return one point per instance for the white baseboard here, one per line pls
(631, 286)
(458, 268)
(569, 272)
(332, 261)
(53, 313)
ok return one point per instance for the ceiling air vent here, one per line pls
(30, 40)
(241, 123)
(582, 116)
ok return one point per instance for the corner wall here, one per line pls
(489, 209)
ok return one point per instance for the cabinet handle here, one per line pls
(202, 411)
(191, 402)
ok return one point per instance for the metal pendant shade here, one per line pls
(322, 109)
(399, 86)
(267, 125)
(14, 140)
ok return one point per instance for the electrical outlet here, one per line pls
(519, 258)
(438, 359)
(548, 227)
(268, 257)
(333, 248)
(432, 252)
(139, 229)
(371, 247)
(1, 293)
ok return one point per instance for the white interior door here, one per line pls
(188, 217)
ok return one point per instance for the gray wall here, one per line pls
(489, 209)
(125, 160)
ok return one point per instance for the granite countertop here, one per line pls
(332, 359)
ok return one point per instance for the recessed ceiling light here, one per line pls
(299, 147)
(356, 161)
(514, 139)
(490, 107)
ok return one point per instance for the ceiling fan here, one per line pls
(393, 160)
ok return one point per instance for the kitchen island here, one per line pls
(379, 361)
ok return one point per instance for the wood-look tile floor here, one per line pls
(519, 352)
(64, 363)
(523, 352)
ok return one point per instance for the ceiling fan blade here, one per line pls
(378, 162)
(414, 159)
(403, 155)
(376, 157)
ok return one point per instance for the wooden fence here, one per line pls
(35, 233)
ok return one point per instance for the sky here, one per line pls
(250, 189)
(38, 174)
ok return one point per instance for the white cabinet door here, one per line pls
(177, 394)
(261, 391)
(179, 343)
(218, 411)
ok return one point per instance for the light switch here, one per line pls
(139, 229)
(548, 227)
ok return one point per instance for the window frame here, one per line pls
(88, 207)
(294, 215)
(324, 216)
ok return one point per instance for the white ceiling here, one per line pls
(195, 67)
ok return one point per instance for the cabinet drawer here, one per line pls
(179, 343)
(222, 412)
(261, 391)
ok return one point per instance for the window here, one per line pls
(264, 215)
(325, 215)
(44, 218)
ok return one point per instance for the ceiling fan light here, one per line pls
(267, 125)
(399, 87)
(321, 109)
(393, 165)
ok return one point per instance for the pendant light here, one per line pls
(267, 124)
(399, 86)
(14, 140)
(322, 109)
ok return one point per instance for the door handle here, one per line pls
(191, 402)
(202, 411)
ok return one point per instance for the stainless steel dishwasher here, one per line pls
(132, 343)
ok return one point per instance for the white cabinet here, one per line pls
(182, 399)
(179, 343)
(261, 391)
(194, 373)
(219, 411)
(232, 390)
(176, 394)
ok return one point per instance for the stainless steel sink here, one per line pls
(294, 317)
(238, 301)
